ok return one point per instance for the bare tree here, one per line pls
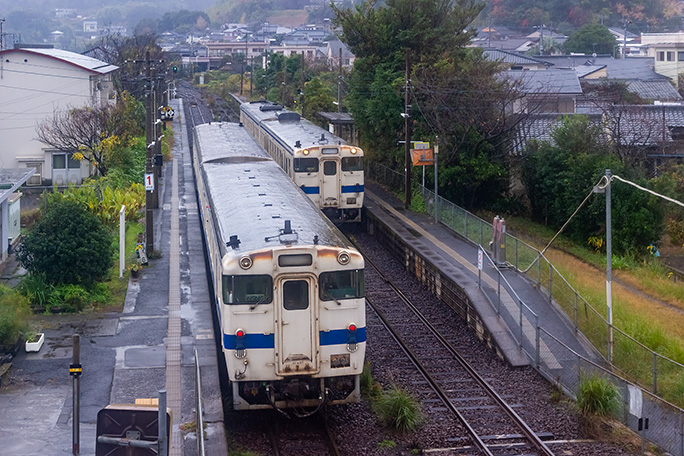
(90, 133)
(634, 127)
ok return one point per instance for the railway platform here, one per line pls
(448, 264)
(129, 355)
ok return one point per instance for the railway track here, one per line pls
(302, 437)
(449, 385)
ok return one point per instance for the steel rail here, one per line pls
(529, 434)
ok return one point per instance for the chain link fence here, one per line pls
(635, 367)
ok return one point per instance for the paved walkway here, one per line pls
(128, 355)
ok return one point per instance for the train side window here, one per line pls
(306, 165)
(296, 295)
(329, 168)
(341, 285)
(352, 164)
(247, 289)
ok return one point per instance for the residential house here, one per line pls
(335, 50)
(667, 50)
(35, 83)
(10, 206)
(545, 91)
(636, 72)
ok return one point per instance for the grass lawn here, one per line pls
(118, 287)
(647, 305)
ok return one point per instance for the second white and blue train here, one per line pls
(323, 165)
(289, 287)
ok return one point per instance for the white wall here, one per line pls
(32, 88)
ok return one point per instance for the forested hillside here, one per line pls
(566, 15)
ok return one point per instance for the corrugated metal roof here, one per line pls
(79, 60)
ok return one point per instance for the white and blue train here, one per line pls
(289, 287)
(323, 165)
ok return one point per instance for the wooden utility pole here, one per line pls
(407, 144)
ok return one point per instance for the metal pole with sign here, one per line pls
(122, 240)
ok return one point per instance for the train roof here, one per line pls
(252, 197)
(289, 126)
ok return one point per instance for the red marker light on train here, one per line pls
(240, 333)
(351, 327)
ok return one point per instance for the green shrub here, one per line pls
(37, 290)
(598, 396)
(73, 298)
(68, 245)
(398, 409)
(14, 314)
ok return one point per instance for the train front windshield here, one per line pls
(341, 285)
(305, 165)
(352, 163)
(247, 289)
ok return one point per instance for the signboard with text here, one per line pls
(149, 182)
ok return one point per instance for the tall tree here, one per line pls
(382, 37)
(591, 38)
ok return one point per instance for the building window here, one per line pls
(680, 56)
(661, 56)
(670, 56)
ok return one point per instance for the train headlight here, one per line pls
(343, 258)
(352, 344)
(353, 150)
(246, 262)
(305, 151)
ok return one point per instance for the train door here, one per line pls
(330, 183)
(297, 326)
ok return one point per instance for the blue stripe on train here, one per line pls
(340, 336)
(311, 190)
(352, 188)
(345, 189)
(251, 341)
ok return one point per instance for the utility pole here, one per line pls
(339, 84)
(2, 37)
(407, 145)
(302, 95)
(149, 157)
(609, 267)
(624, 37)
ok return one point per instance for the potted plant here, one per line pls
(135, 270)
(34, 340)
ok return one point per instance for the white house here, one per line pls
(34, 84)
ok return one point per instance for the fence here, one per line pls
(632, 361)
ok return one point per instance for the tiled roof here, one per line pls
(631, 125)
(557, 82)
(539, 127)
(514, 58)
(629, 68)
(651, 89)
